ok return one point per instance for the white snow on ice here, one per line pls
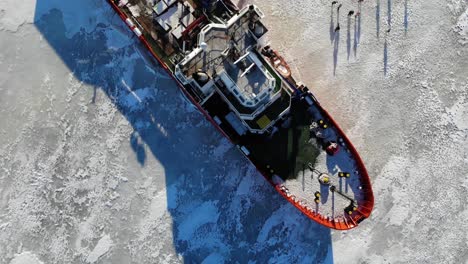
(101, 248)
(25, 258)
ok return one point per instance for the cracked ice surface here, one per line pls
(102, 160)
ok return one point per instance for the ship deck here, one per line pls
(292, 150)
(289, 149)
(297, 157)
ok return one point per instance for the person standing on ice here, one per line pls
(338, 17)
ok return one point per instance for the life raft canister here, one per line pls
(324, 179)
(332, 148)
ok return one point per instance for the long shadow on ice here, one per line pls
(377, 18)
(405, 20)
(348, 38)
(221, 208)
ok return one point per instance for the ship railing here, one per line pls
(340, 223)
(231, 86)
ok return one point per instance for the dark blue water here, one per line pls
(220, 206)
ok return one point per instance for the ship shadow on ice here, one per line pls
(221, 208)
